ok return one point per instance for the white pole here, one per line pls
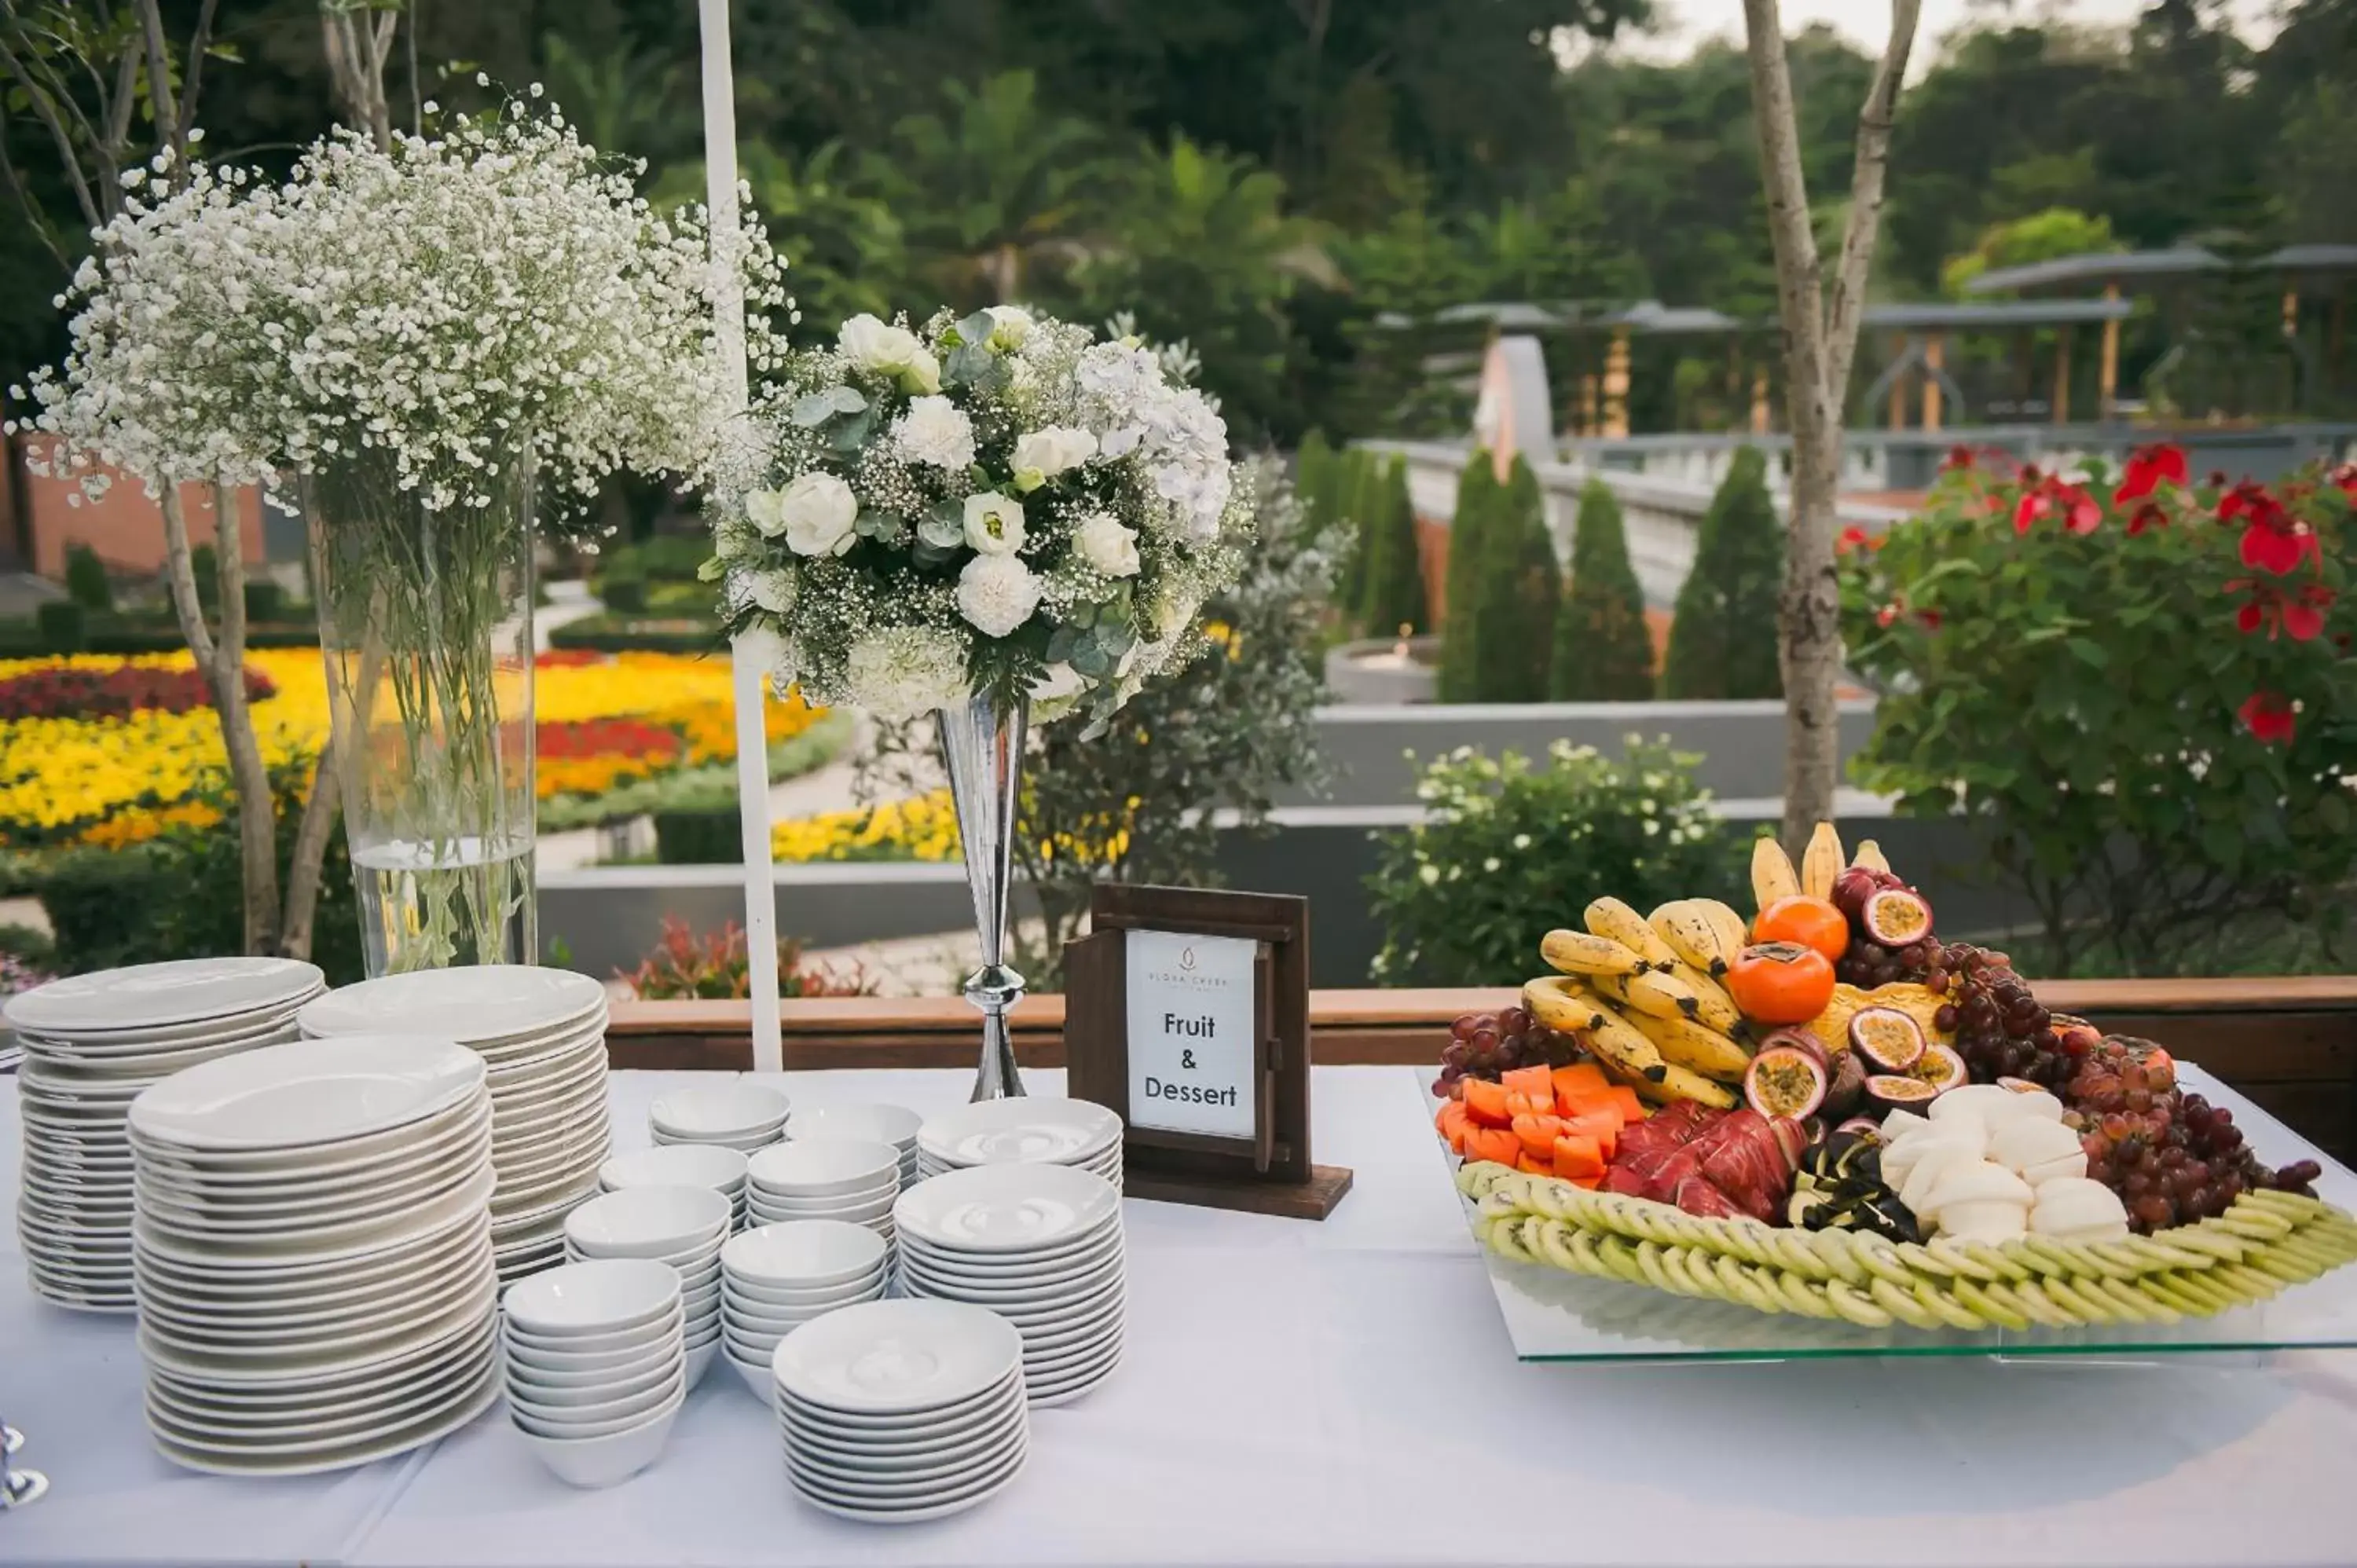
(747, 654)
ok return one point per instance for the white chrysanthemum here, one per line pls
(905, 671)
(998, 593)
(934, 432)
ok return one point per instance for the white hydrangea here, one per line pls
(905, 671)
(998, 593)
(934, 431)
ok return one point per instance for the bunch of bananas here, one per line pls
(2266, 1242)
(1643, 992)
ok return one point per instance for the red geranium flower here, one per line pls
(2269, 717)
(2148, 468)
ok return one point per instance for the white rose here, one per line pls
(993, 524)
(819, 512)
(1106, 545)
(774, 590)
(1009, 325)
(766, 511)
(934, 431)
(998, 593)
(1042, 454)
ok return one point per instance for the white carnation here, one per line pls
(906, 670)
(1106, 545)
(820, 515)
(1042, 454)
(934, 431)
(998, 593)
(993, 524)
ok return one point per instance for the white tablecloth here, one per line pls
(1302, 1395)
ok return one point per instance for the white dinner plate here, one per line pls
(886, 1357)
(160, 996)
(307, 1092)
(1008, 1207)
(477, 1003)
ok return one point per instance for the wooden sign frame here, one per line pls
(1268, 1173)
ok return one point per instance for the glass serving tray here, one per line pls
(1553, 1316)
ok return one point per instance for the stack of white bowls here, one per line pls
(824, 1178)
(730, 1114)
(596, 1367)
(868, 1123)
(894, 1412)
(775, 1279)
(313, 1253)
(681, 1225)
(680, 1165)
(1039, 1245)
(543, 1034)
(91, 1043)
(1022, 1130)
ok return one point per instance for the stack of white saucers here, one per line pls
(1022, 1130)
(1039, 1245)
(597, 1366)
(869, 1124)
(543, 1034)
(313, 1254)
(824, 1178)
(680, 1165)
(733, 1114)
(91, 1044)
(682, 1226)
(776, 1278)
(894, 1412)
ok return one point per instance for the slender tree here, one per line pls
(1477, 503)
(1603, 650)
(1517, 586)
(1820, 318)
(1724, 641)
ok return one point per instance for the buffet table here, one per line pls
(1301, 1393)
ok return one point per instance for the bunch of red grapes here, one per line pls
(2172, 1157)
(1490, 1045)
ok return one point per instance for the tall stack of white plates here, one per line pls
(1022, 1131)
(894, 1412)
(541, 1032)
(1040, 1246)
(868, 1123)
(313, 1254)
(92, 1042)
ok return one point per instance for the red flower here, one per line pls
(2269, 717)
(2148, 468)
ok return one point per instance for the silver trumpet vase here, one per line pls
(981, 749)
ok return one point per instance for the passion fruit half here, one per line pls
(1897, 917)
(1785, 1080)
(1889, 1039)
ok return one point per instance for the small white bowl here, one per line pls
(610, 1459)
(593, 1300)
(707, 1112)
(804, 1254)
(656, 1222)
(595, 1420)
(553, 1403)
(529, 1376)
(675, 1164)
(816, 1167)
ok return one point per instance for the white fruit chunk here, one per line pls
(1984, 1221)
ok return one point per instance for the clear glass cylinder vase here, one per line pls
(426, 624)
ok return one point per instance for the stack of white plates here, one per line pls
(733, 1114)
(775, 1279)
(824, 1178)
(1039, 1245)
(596, 1367)
(894, 1412)
(543, 1034)
(313, 1254)
(91, 1043)
(680, 1165)
(1024, 1131)
(869, 1124)
(682, 1226)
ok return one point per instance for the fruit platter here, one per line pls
(1824, 1130)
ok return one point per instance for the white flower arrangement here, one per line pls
(997, 504)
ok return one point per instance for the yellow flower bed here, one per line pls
(113, 781)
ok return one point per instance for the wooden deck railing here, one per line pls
(2288, 1043)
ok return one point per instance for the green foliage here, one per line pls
(61, 625)
(1394, 585)
(2043, 236)
(1506, 847)
(1722, 640)
(86, 583)
(1603, 650)
(1478, 500)
(1516, 586)
(2077, 690)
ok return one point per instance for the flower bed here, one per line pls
(132, 759)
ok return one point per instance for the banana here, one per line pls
(1553, 1003)
(1685, 1043)
(1691, 935)
(1578, 952)
(1772, 876)
(1610, 917)
(1734, 931)
(1870, 854)
(1662, 994)
(1821, 862)
(1714, 1008)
